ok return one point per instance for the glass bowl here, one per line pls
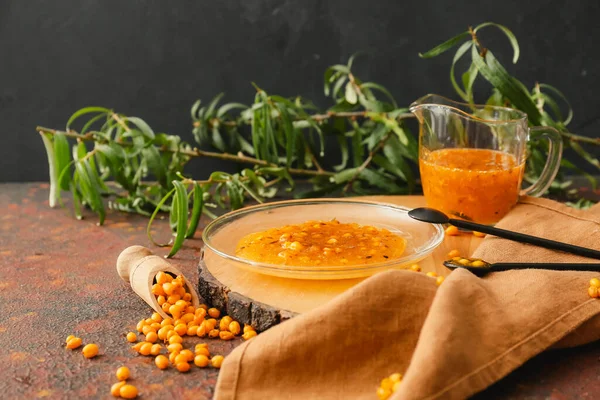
(223, 234)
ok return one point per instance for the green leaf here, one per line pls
(563, 98)
(381, 181)
(196, 210)
(351, 95)
(338, 86)
(90, 190)
(54, 197)
(91, 122)
(86, 110)
(290, 134)
(447, 45)
(511, 37)
(495, 73)
(344, 176)
(372, 85)
(343, 142)
(278, 172)
(194, 111)
(182, 208)
(62, 154)
(459, 53)
(468, 79)
(212, 105)
(142, 126)
(225, 108)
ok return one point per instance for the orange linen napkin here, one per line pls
(449, 342)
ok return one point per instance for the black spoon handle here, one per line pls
(521, 237)
(551, 266)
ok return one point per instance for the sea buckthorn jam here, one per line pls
(474, 184)
(320, 243)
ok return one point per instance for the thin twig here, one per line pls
(367, 161)
(240, 157)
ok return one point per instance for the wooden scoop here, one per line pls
(139, 266)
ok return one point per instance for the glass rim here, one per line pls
(435, 240)
(422, 102)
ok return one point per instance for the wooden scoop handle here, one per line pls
(139, 266)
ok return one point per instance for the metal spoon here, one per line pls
(437, 217)
(480, 267)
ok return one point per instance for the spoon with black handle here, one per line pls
(437, 217)
(480, 267)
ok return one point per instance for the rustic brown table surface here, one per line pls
(57, 277)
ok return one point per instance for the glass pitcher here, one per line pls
(472, 157)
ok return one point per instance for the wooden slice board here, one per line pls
(263, 300)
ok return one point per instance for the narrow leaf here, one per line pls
(181, 217)
(511, 37)
(196, 210)
(448, 44)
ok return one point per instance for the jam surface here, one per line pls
(320, 243)
(475, 184)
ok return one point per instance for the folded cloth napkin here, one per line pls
(448, 342)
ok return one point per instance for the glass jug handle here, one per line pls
(550, 170)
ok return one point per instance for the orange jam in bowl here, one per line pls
(319, 243)
(475, 184)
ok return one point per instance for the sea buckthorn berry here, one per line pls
(172, 357)
(155, 350)
(248, 328)
(226, 335)
(202, 351)
(593, 291)
(452, 231)
(146, 349)
(432, 274)
(190, 310)
(383, 394)
(138, 346)
(187, 317)
(213, 333)
(192, 330)
(478, 234)
(174, 311)
(199, 345)
(187, 297)
(163, 277)
(224, 323)
(477, 263)
(122, 373)
(148, 321)
(131, 337)
(174, 298)
(148, 328)
(115, 389)
(595, 282)
(217, 361)
(201, 360)
(181, 329)
(397, 377)
(181, 358)
(69, 338)
(165, 307)
(415, 267)
(453, 253)
(156, 317)
(162, 362)
(166, 321)
(214, 313)
(464, 261)
(210, 324)
(128, 392)
(203, 306)
(249, 335)
(162, 333)
(140, 325)
(169, 288)
(156, 326)
(439, 280)
(234, 327)
(151, 337)
(175, 339)
(74, 343)
(200, 312)
(188, 353)
(396, 386)
(201, 331)
(90, 350)
(175, 347)
(182, 367)
(386, 383)
(158, 290)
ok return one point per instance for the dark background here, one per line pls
(153, 59)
